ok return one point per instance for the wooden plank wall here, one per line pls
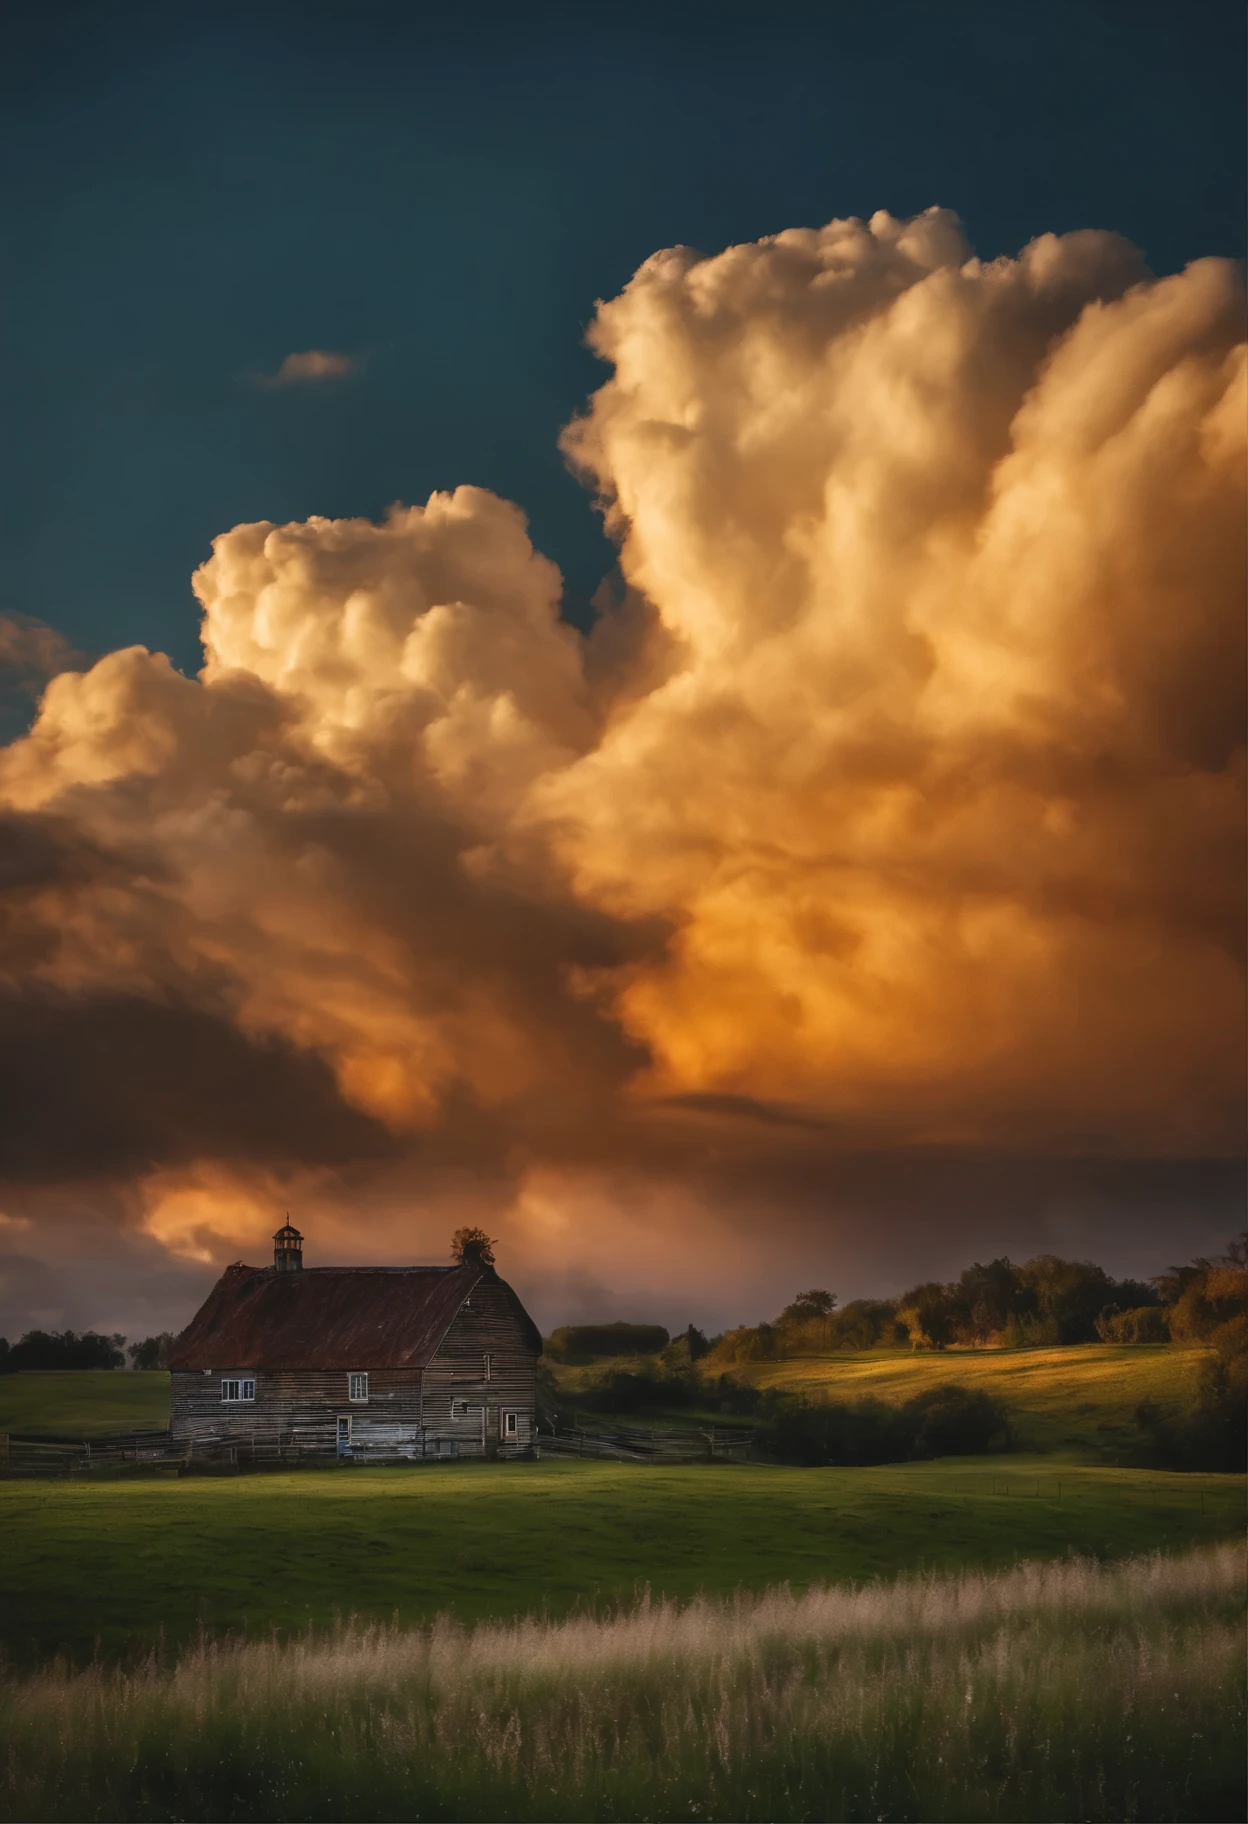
(483, 1361)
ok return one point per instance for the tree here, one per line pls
(1069, 1297)
(814, 1303)
(927, 1311)
(988, 1296)
(43, 1349)
(472, 1244)
(697, 1341)
(153, 1351)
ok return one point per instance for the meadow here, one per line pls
(120, 1564)
(575, 1639)
(84, 1402)
(1078, 1399)
(1072, 1690)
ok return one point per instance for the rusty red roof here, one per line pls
(330, 1317)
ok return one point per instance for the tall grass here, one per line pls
(1067, 1690)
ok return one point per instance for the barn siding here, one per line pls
(485, 1326)
(409, 1412)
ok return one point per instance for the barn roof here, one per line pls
(331, 1317)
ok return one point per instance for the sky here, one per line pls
(720, 746)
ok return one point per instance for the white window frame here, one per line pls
(244, 1390)
(357, 1387)
(509, 1426)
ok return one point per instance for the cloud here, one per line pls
(945, 799)
(31, 651)
(311, 365)
(881, 847)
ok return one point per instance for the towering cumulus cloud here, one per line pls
(898, 808)
(944, 791)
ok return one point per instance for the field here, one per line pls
(1047, 1692)
(124, 1562)
(675, 1641)
(1077, 1399)
(84, 1402)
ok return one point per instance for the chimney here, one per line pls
(288, 1249)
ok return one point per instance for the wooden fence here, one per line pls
(115, 1452)
(633, 1444)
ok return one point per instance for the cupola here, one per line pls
(288, 1249)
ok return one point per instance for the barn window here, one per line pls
(511, 1426)
(357, 1386)
(488, 1361)
(233, 1392)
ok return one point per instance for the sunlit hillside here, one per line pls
(1071, 1399)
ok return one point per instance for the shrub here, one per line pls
(1146, 1324)
(639, 1391)
(942, 1421)
(596, 1341)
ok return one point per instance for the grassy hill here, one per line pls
(1079, 1399)
(124, 1563)
(83, 1402)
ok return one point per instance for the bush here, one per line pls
(943, 1421)
(1146, 1324)
(748, 1343)
(639, 1391)
(588, 1342)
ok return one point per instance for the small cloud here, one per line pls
(32, 652)
(312, 364)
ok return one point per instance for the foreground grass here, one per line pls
(120, 1564)
(84, 1401)
(1046, 1692)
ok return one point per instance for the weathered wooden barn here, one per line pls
(367, 1362)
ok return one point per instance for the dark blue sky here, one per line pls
(194, 192)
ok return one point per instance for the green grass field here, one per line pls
(1068, 1690)
(126, 1562)
(84, 1402)
(1080, 1399)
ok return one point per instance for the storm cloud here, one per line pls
(871, 876)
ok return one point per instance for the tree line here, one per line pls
(45, 1349)
(1046, 1301)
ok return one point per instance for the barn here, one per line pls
(366, 1362)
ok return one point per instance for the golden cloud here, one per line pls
(902, 792)
(311, 365)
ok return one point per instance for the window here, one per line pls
(234, 1391)
(357, 1386)
(511, 1426)
(488, 1361)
